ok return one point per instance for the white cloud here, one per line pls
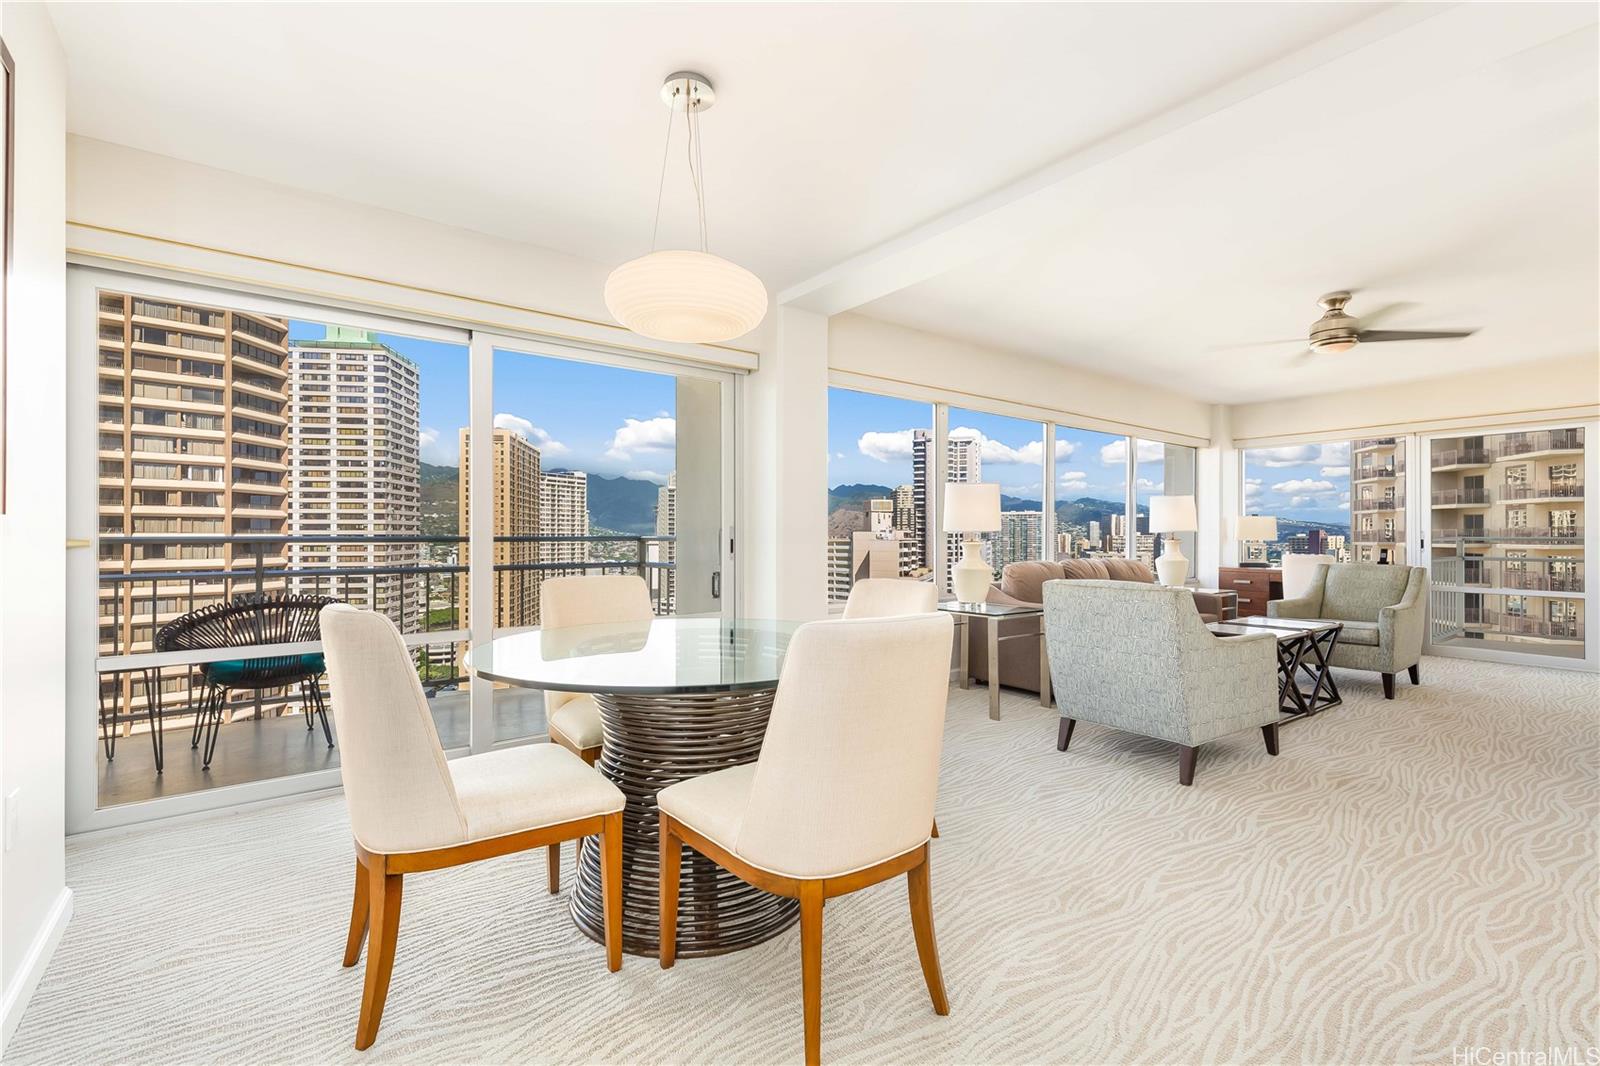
(1252, 487)
(1146, 483)
(1074, 479)
(1065, 448)
(1300, 485)
(530, 432)
(1335, 471)
(438, 448)
(1337, 454)
(646, 475)
(838, 455)
(1294, 455)
(992, 451)
(886, 447)
(1301, 501)
(1116, 453)
(641, 435)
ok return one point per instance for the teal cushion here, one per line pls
(232, 671)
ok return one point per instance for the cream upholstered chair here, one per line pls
(411, 810)
(842, 795)
(572, 717)
(885, 597)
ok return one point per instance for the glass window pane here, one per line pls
(879, 488)
(1507, 545)
(254, 458)
(1306, 487)
(1009, 452)
(595, 472)
(1091, 494)
(1162, 470)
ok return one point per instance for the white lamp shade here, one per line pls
(971, 507)
(690, 297)
(1173, 514)
(1256, 527)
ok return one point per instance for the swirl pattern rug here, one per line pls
(1407, 881)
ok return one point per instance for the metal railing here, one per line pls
(1470, 497)
(1505, 572)
(1509, 446)
(1522, 625)
(1515, 534)
(1553, 490)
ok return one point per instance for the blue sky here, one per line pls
(869, 442)
(581, 416)
(1309, 482)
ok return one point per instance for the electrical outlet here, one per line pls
(13, 801)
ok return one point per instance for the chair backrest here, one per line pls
(1356, 592)
(1118, 649)
(285, 620)
(886, 597)
(588, 600)
(396, 782)
(1299, 571)
(849, 769)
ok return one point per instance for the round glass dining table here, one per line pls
(678, 697)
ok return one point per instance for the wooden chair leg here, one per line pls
(383, 891)
(811, 967)
(359, 913)
(1415, 670)
(1269, 733)
(936, 829)
(611, 887)
(919, 888)
(1388, 686)
(553, 864)
(671, 857)
(1186, 756)
(1064, 733)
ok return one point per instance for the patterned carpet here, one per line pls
(1406, 879)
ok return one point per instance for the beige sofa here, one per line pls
(1023, 584)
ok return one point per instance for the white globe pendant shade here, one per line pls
(690, 297)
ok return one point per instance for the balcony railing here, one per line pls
(1522, 625)
(1462, 457)
(1504, 572)
(1460, 497)
(1554, 440)
(1554, 490)
(1371, 470)
(1382, 504)
(1519, 535)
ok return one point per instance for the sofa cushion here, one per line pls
(1025, 581)
(1129, 570)
(1364, 633)
(1084, 570)
(1356, 592)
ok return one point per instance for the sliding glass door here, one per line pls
(1508, 547)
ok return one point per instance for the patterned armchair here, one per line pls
(1138, 658)
(1384, 611)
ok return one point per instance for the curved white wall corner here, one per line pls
(34, 900)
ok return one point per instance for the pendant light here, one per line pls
(682, 294)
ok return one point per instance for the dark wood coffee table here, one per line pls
(1304, 647)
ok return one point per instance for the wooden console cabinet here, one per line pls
(1255, 586)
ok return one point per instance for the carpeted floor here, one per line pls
(1406, 880)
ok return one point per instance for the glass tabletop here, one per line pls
(663, 655)
(1304, 625)
(989, 610)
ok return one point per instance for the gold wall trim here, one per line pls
(1191, 440)
(368, 279)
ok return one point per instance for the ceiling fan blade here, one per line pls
(1372, 336)
(1373, 317)
(1302, 356)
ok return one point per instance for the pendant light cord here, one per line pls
(691, 121)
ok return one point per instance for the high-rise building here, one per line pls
(1019, 538)
(963, 463)
(564, 511)
(516, 513)
(921, 492)
(191, 440)
(667, 526)
(905, 509)
(1377, 500)
(354, 455)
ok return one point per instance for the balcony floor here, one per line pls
(251, 749)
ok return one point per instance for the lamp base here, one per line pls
(971, 577)
(1172, 568)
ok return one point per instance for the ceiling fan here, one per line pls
(1337, 331)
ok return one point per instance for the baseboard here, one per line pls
(34, 964)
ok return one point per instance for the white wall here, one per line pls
(34, 901)
(894, 353)
(1524, 392)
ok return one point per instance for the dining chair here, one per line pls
(842, 794)
(412, 810)
(573, 718)
(885, 597)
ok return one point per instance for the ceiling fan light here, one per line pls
(1337, 345)
(685, 296)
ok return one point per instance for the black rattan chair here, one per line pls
(241, 624)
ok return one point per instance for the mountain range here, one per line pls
(616, 504)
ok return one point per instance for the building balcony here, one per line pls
(1461, 498)
(1377, 471)
(1542, 493)
(1517, 535)
(1459, 458)
(1375, 505)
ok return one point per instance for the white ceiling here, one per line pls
(1190, 174)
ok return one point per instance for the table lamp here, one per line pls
(1255, 527)
(1172, 514)
(971, 508)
